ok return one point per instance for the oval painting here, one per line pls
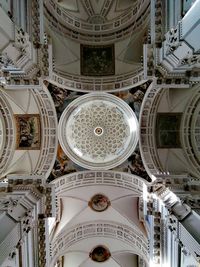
(100, 254)
(99, 202)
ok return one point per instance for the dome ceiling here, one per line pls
(82, 31)
(64, 164)
(97, 11)
(106, 20)
(101, 133)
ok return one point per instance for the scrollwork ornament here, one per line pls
(8, 203)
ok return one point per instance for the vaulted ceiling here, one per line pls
(121, 26)
(97, 11)
(73, 24)
(82, 224)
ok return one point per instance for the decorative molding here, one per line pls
(106, 84)
(128, 235)
(60, 20)
(8, 133)
(49, 131)
(8, 203)
(188, 241)
(190, 137)
(9, 243)
(146, 137)
(92, 178)
(41, 231)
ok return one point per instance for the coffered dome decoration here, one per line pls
(100, 254)
(109, 30)
(88, 20)
(99, 202)
(98, 131)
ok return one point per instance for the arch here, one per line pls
(146, 124)
(117, 29)
(91, 178)
(42, 107)
(49, 131)
(107, 84)
(8, 133)
(136, 240)
(188, 112)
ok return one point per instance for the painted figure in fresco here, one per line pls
(134, 97)
(99, 202)
(135, 166)
(63, 165)
(62, 97)
(98, 60)
(100, 254)
(28, 127)
(26, 140)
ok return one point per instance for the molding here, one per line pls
(62, 243)
(60, 20)
(107, 84)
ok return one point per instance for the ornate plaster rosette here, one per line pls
(98, 131)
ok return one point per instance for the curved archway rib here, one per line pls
(91, 178)
(66, 239)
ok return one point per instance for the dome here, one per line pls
(98, 131)
(95, 16)
(96, 21)
(111, 31)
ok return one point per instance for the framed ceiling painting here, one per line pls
(97, 60)
(168, 130)
(28, 129)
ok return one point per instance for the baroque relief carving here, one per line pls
(8, 203)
